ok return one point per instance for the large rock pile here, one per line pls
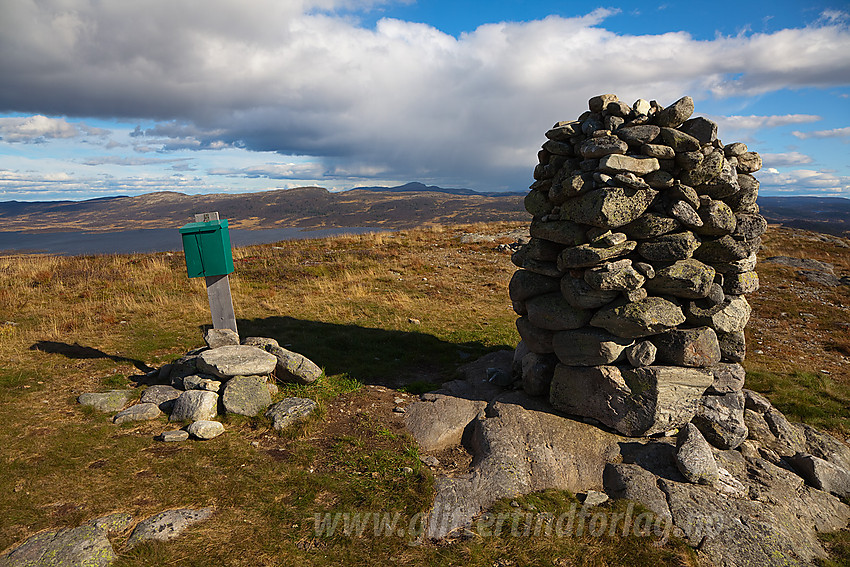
(631, 292)
(226, 377)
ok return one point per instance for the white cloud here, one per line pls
(803, 181)
(834, 133)
(273, 171)
(40, 128)
(753, 122)
(128, 161)
(51, 185)
(785, 159)
(402, 99)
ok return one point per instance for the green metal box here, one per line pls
(207, 247)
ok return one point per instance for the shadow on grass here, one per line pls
(79, 351)
(374, 356)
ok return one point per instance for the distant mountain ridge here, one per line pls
(400, 207)
(415, 186)
(405, 206)
(830, 215)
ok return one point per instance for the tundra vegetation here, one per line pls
(385, 315)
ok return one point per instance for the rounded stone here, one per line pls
(205, 429)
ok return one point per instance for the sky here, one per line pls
(103, 98)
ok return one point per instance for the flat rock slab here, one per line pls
(289, 411)
(167, 525)
(756, 513)
(107, 402)
(173, 436)
(83, 546)
(236, 360)
(138, 412)
(518, 450)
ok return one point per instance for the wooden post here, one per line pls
(221, 303)
(218, 291)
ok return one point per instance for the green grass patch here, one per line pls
(838, 545)
(808, 397)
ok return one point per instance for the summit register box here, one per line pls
(206, 243)
(207, 247)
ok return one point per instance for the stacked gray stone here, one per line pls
(225, 378)
(631, 292)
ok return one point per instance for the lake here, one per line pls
(146, 240)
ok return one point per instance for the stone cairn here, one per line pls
(631, 291)
(226, 377)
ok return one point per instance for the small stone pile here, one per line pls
(226, 377)
(631, 292)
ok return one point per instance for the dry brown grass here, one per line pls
(87, 324)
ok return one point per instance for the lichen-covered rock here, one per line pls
(822, 474)
(689, 278)
(675, 114)
(639, 165)
(162, 395)
(438, 421)
(728, 377)
(642, 318)
(731, 316)
(167, 525)
(83, 546)
(289, 411)
(608, 207)
(560, 231)
(669, 247)
(107, 402)
(638, 135)
(246, 395)
(717, 217)
(587, 255)
(694, 458)
(650, 225)
(582, 295)
(294, 367)
(220, 337)
(615, 276)
(525, 284)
